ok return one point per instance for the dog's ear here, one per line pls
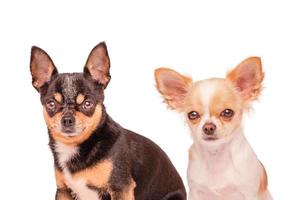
(247, 77)
(41, 67)
(98, 64)
(173, 87)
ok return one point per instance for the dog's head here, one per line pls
(72, 102)
(213, 107)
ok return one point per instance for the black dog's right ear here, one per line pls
(98, 64)
(41, 67)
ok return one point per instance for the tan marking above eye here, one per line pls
(80, 98)
(58, 97)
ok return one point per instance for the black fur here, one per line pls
(133, 156)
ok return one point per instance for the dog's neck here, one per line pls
(219, 154)
(106, 135)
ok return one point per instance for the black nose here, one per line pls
(209, 128)
(68, 121)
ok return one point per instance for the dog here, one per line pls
(94, 157)
(222, 165)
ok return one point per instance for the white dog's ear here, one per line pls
(247, 77)
(173, 87)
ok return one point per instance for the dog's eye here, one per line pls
(193, 115)
(227, 113)
(51, 104)
(87, 104)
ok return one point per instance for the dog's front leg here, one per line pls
(127, 193)
(63, 194)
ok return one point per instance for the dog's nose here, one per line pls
(209, 128)
(68, 121)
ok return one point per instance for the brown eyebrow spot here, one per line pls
(58, 97)
(79, 98)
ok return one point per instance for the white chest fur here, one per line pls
(78, 186)
(227, 171)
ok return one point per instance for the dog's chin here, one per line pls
(69, 135)
(212, 140)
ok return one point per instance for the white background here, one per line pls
(199, 38)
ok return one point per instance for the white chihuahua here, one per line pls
(222, 165)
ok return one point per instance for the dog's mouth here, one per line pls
(71, 132)
(68, 130)
(210, 138)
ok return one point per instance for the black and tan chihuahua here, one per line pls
(95, 158)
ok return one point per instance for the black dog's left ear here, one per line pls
(98, 64)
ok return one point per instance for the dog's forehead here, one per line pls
(211, 91)
(67, 86)
(206, 89)
(70, 85)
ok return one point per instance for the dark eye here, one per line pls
(51, 105)
(227, 113)
(87, 104)
(193, 115)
